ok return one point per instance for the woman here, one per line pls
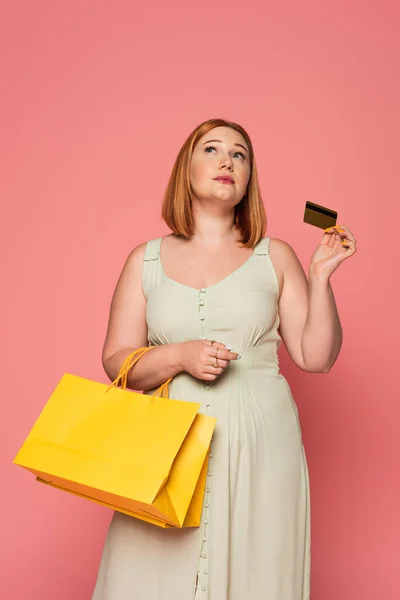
(217, 298)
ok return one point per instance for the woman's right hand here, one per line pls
(198, 357)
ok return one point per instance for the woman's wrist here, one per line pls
(318, 279)
(177, 356)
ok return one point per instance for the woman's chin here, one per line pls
(227, 196)
(224, 197)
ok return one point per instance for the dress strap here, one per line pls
(152, 272)
(152, 249)
(263, 246)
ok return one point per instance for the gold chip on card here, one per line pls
(319, 216)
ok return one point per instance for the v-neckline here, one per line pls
(209, 287)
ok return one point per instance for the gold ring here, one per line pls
(216, 364)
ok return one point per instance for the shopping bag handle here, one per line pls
(129, 362)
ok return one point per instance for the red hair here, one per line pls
(250, 217)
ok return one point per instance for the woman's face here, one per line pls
(220, 167)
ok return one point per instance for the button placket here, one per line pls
(207, 391)
(204, 553)
(203, 566)
(201, 304)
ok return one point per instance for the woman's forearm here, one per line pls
(322, 333)
(153, 369)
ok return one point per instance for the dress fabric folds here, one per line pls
(254, 538)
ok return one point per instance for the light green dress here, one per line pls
(254, 538)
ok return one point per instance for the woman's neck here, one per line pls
(214, 228)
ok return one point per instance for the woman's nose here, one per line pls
(226, 161)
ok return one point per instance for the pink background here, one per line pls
(96, 99)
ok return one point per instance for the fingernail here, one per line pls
(238, 357)
(228, 348)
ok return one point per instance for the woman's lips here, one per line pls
(224, 179)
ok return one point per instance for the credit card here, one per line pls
(320, 216)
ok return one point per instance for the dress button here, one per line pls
(208, 404)
(201, 302)
(204, 539)
(202, 318)
(203, 588)
(206, 521)
(209, 474)
(205, 572)
(207, 505)
(207, 387)
(208, 490)
(204, 555)
(203, 290)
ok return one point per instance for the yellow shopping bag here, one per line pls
(142, 455)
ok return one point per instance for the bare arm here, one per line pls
(322, 334)
(127, 331)
(309, 321)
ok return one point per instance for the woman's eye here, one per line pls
(209, 150)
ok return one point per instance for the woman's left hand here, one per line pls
(338, 243)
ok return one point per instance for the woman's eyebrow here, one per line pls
(220, 141)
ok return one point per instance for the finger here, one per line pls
(339, 237)
(330, 229)
(349, 247)
(325, 239)
(336, 229)
(210, 370)
(230, 355)
(329, 237)
(221, 363)
(215, 344)
(332, 240)
(208, 377)
(343, 231)
(226, 355)
(348, 243)
(345, 235)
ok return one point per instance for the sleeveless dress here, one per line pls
(254, 538)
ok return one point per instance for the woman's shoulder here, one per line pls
(282, 255)
(280, 247)
(135, 258)
(139, 252)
